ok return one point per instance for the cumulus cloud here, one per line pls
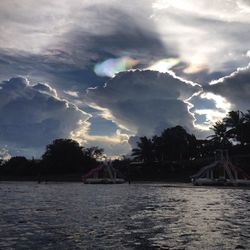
(208, 108)
(61, 42)
(220, 96)
(235, 88)
(144, 102)
(32, 116)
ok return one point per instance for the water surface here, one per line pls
(137, 216)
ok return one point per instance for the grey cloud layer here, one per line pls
(95, 33)
(33, 116)
(64, 39)
(125, 36)
(235, 88)
(60, 41)
(145, 101)
(212, 34)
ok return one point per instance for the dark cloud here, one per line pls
(32, 116)
(235, 88)
(145, 102)
(53, 68)
(69, 63)
(203, 77)
(58, 44)
(120, 34)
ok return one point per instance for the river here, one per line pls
(136, 216)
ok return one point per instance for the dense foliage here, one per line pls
(176, 155)
(175, 144)
(62, 156)
(173, 155)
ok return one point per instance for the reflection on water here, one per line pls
(78, 216)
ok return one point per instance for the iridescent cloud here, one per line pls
(112, 66)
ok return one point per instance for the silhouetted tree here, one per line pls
(63, 156)
(173, 144)
(144, 151)
(95, 153)
(178, 144)
(160, 154)
(245, 133)
(234, 121)
(158, 147)
(17, 165)
(205, 148)
(220, 137)
(247, 116)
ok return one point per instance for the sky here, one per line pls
(105, 72)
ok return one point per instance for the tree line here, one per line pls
(175, 144)
(62, 156)
(175, 155)
(171, 154)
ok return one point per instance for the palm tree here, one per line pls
(144, 151)
(247, 116)
(178, 144)
(220, 137)
(159, 152)
(246, 129)
(234, 121)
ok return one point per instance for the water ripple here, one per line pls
(77, 216)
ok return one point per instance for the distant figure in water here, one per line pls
(129, 179)
(39, 178)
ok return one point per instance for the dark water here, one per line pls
(78, 216)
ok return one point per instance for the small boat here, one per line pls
(221, 172)
(103, 174)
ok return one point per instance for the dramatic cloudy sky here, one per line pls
(104, 72)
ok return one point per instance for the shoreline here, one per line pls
(78, 178)
(162, 184)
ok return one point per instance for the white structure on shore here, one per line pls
(221, 172)
(103, 174)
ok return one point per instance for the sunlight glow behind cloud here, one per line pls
(164, 65)
(212, 115)
(206, 34)
(196, 65)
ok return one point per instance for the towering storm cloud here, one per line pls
(134, 59)
(235, 88)
(32, 116)
(145, 102)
